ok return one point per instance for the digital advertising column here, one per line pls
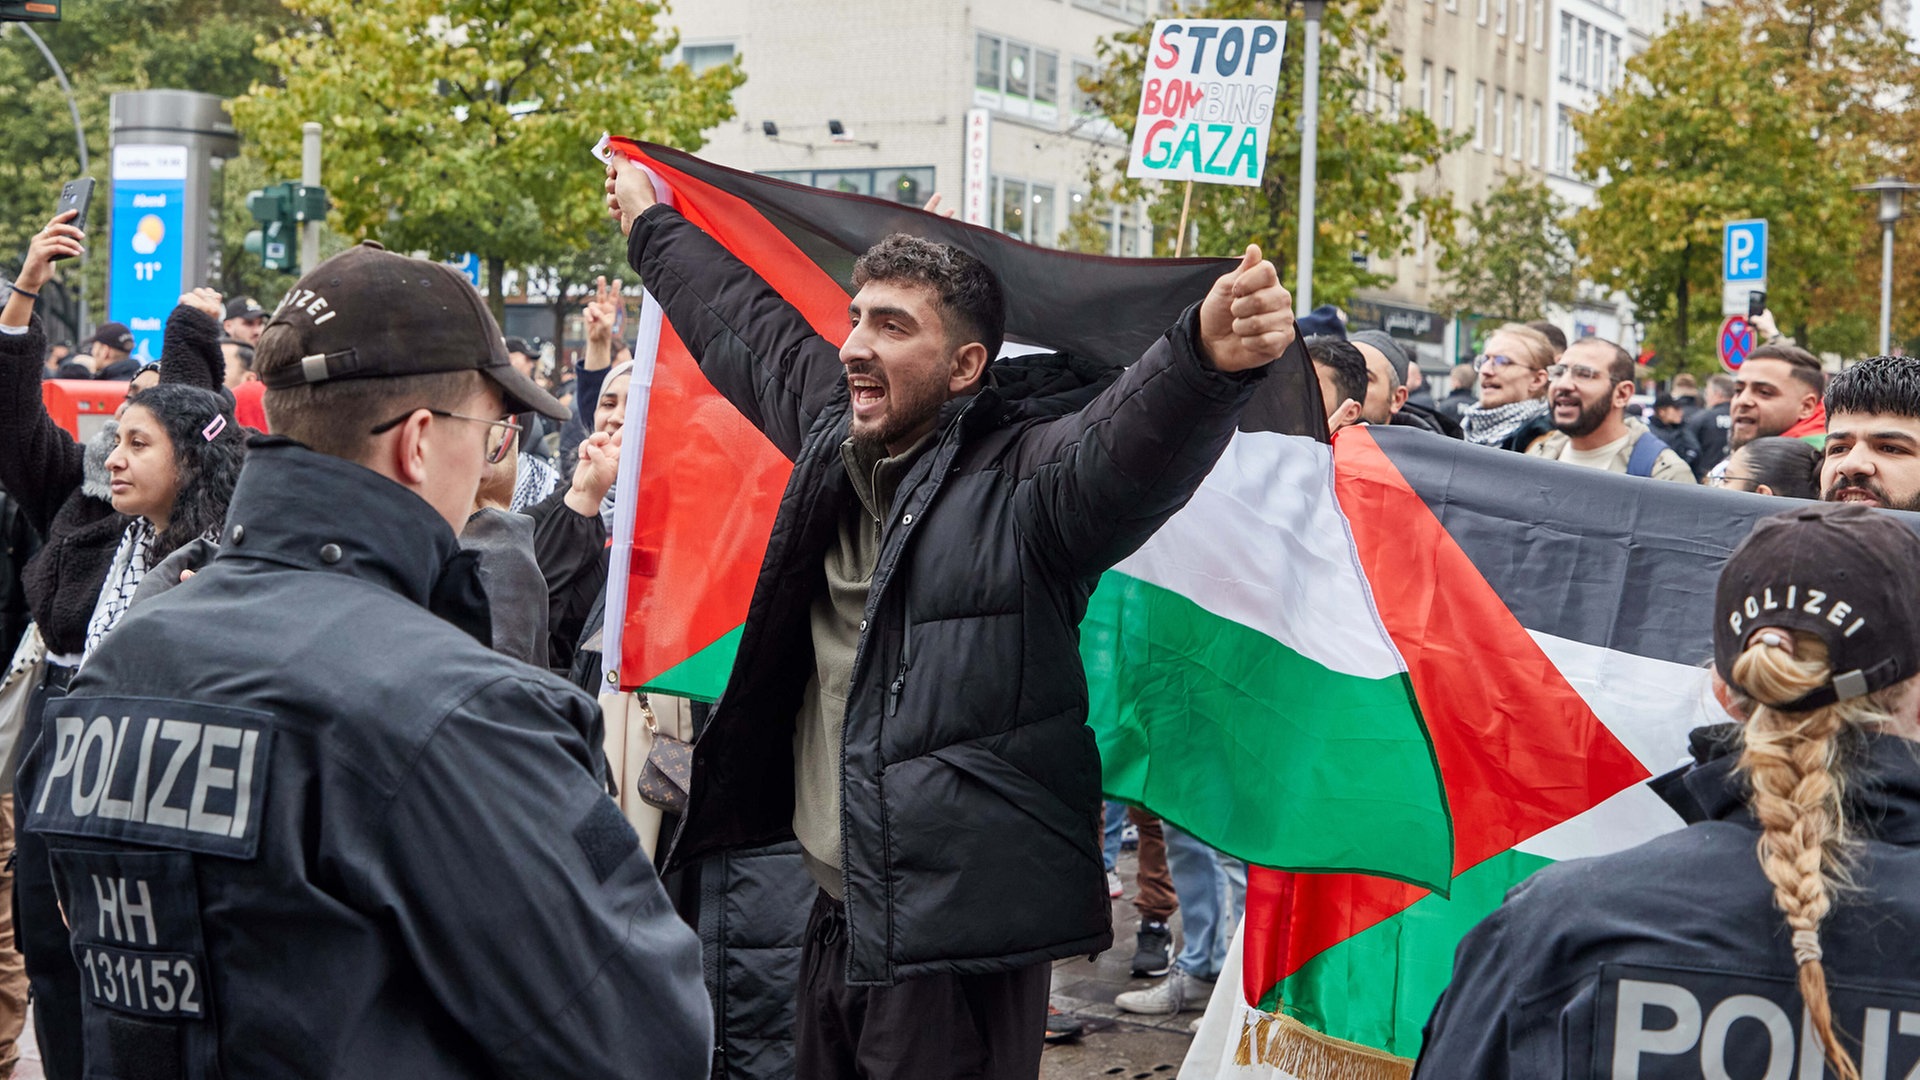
(149, 206)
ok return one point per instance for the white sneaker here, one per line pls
(1115, 888)
(1177, 993)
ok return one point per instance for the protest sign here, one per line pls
(1206, 101)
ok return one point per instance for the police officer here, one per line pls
(302, 820)
(1690, 957)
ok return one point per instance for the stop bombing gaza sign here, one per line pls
(1206, 103)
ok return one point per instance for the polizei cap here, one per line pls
(1848, 574)
(368, 313)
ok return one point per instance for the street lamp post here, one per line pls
(1890, 191)
(1309, 154)
(80, 146)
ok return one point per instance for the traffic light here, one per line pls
(29, 10)
(276, 241)
(280, 209)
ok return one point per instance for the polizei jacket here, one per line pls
(970, 783)
(304, 823)
(1670, 961)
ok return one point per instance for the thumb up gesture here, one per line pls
(1247, 318)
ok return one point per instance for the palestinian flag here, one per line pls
(1213, 686)
(1555, 622)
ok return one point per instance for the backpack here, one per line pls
(1646, 452)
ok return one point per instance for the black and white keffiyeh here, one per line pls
(1490, 427)
(130, 562)
(536, 483)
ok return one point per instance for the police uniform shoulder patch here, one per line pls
(173, 774)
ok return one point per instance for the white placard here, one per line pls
(1206, 101)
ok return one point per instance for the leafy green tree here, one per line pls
(107, 46)
(464, 125)
(1750, 111)
(1514, 257)
(1367, 199)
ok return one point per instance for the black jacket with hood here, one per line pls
(1670, 960)
(970, 782)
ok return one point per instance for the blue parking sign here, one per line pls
(1745, 251)
(468, 265)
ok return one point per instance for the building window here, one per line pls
(1539, 25)
(1480, 114)
(1520, 22)
(1518, 127)
(1083, 104)
(1480, 12)
(1566, 47)
(1499, 122)
(1372, 98)
(1597, 59)
(699, 58)
(909, 186)
(1446, 101)
(1015, 78)
(1580, 54)
(1615, 75)
(1539, 132)
(1025, 211)
(1562, 138)
(1426, 87)
(1393, 92)
(1453, 5)
(1500, 17)
(1132, 11)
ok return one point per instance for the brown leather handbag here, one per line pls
(668, 772)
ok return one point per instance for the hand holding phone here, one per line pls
(75, 195)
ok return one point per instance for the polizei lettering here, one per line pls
(177, 774)
(1680, 1024)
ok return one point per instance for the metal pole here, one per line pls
(1309, 155)
(1886, 287)
(310, 176)
(80, 144)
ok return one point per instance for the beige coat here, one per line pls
(1668, 466)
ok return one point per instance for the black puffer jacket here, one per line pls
(970, 781)
(1671, 961)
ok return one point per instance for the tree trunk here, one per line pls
(559, 330)
(496, 296)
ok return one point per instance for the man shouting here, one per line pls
(908, 698)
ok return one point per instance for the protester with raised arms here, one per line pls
(907, 697)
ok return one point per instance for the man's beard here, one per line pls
(1589, 420)
(1887, 502)
(909, 407)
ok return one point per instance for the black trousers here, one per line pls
(935, 1027)
(39, 930)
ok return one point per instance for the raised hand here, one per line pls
(602, 310)
(933, 207)
(1246, 320)
(204, 300)
(594, 475)
(59, 240)
(629, 192)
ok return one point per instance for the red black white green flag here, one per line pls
(1418, 668)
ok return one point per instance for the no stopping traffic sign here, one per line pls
(1736, 341)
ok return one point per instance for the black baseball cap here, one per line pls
(519, 345)
(113, 335)
(368, 313)
(244, 307)
(1842, 572)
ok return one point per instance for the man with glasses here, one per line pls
(304, 822)
(1512, 413)
(1587, 395)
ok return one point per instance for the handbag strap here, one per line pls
(646, 713)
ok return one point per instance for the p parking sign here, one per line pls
(1743, 263)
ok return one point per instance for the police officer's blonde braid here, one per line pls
(1790, 760)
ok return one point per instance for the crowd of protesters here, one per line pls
(814, 962)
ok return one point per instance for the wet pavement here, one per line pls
(1117, 1045)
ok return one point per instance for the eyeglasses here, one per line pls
(1580, 372)
(499, 441)
(1725, 479)
(1485, 361)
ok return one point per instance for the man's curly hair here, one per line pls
(972, 307)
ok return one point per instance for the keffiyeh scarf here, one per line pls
(130, 562)
(536, 483)
(1490, 427)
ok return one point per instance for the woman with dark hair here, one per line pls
(1774, 465)
(108, 510)
(1777, 928)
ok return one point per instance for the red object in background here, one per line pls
(247, 408)
(81, 406)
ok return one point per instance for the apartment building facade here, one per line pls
(978, 102)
